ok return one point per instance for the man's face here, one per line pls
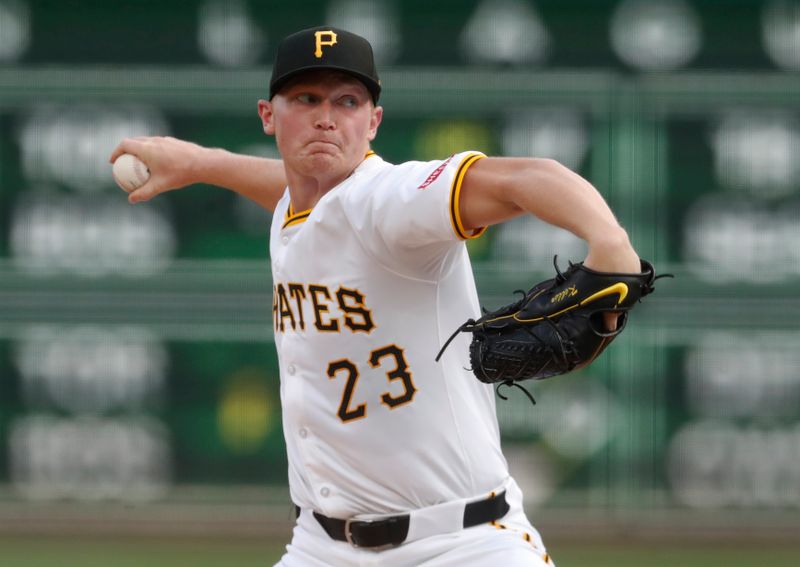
(323, 122)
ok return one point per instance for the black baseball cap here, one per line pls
(325, 47)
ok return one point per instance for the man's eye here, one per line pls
(349, 101)
(306, 98)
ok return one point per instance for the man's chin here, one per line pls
(321, 162)
(324, 159)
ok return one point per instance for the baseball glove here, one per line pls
(556, 327)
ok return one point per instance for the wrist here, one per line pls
(208, 165)
(612, 251)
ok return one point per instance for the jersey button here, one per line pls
(285, 240)
(325, 491)
(303, 433)
(291, 369)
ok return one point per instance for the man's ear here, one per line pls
(265, 113)
(375, 121)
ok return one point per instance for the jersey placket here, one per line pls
(294, 376)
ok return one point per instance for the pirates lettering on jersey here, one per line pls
(298, 293)
(330, 312)
(357, 316)
(320, 298)
(284, 310)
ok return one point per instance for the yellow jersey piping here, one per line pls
(293, 218)
(455, 199)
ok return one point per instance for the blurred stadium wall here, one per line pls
(137, 375)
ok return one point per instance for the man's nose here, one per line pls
(324, 119)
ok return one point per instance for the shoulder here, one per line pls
(378, 175)
(393, 198)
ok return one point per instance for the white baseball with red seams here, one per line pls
(130, 172)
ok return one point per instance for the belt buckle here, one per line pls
(348, 536)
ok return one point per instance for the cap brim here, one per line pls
(373, 87)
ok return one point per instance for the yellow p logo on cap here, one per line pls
(327, 38)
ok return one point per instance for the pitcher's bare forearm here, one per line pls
(261, 180)
(175, 164)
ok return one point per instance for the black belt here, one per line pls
(392, 531)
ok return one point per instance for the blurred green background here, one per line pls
(139, 410)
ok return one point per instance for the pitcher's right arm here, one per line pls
(175, 163)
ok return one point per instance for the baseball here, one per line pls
(130, 172)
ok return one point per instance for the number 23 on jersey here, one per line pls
(392, 361)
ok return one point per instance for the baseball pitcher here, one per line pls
(394, 456)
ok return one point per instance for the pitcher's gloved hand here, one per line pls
(556, 327)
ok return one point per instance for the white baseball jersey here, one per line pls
(367, 287)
